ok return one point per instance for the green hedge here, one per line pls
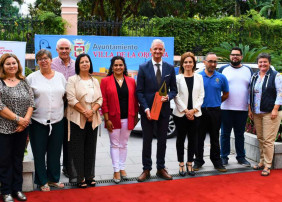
(202, 35)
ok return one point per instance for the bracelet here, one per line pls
(93, 111)
(17, 118)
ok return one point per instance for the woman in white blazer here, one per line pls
(186, 114)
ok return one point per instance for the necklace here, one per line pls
(11, 80)
(119, 80)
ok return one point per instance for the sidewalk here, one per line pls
(104, 170)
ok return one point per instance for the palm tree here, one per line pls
(267, 8)
(249, 55)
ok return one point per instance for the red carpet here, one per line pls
(249, 186)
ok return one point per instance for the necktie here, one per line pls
(158, 75)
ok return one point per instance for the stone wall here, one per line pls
(252, 149)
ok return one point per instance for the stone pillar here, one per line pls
(69, 13)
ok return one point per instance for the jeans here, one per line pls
(237, 121)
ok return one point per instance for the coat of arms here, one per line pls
(80, 47)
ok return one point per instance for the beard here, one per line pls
(235, 63)
(210, 69)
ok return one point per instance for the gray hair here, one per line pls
(264, 55)
(157, 41)
(61, 40)
(41, 53)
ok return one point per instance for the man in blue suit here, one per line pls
(151, 76)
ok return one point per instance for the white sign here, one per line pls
(15, 47)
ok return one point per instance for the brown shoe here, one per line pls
(162, 173)
(144, 176)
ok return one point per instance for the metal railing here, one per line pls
(19, 29)
(24, 29)
(115, 28)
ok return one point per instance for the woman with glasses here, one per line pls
(47, 128)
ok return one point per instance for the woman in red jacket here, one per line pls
(120, 109)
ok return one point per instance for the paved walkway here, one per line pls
(104, 170)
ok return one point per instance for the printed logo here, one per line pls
(217, 80)
(79, 47)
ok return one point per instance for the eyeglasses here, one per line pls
(212, 61)
(43, 59)
(235, 55)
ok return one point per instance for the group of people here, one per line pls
(58, 105)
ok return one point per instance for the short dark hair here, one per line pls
(209, 53)
(238, 49)
(264, 55)
(42, 52)
(183, 57)
(113, 62)
(77, 61)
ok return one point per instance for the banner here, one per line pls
(14, 47)
(135, 50)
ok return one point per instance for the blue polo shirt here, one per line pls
(214, 85)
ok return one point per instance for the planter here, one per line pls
(252, 149)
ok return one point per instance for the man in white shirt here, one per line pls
(235, 108)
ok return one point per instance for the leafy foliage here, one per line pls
(7, 9)
(276, 60)
(53, 6)
(115, 10)
(27, 71)
(51, 24)
(202, 35)
(249, 55)
(267, 8)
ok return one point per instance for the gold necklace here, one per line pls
(119, 80)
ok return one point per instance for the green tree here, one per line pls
(160, 8)
(53, 6)
(267, 8)
(7, 9)
(115, 10)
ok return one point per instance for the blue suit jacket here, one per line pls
(147, 86)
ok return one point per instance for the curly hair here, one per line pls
(113, 62)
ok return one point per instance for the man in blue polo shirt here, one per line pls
(216, 91)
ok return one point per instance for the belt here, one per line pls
(211, 108)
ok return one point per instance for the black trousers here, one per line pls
(65, 146)
(210, 122)
(12, 148)
(82, 152)
(186, 128)
(148, 133)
